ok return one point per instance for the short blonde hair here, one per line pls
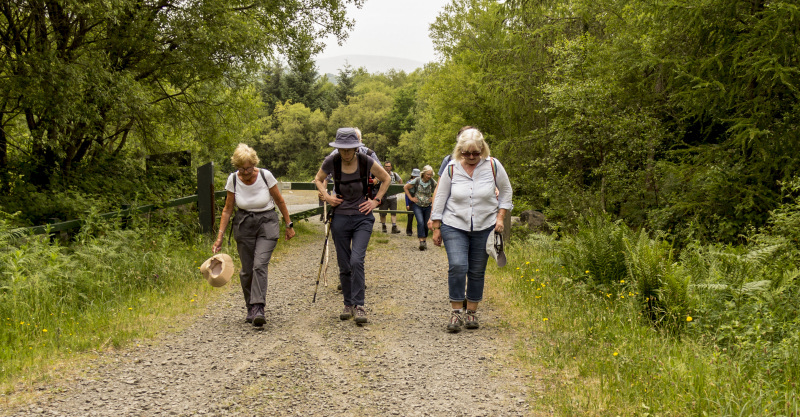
(244, 154)
(426, 168)
(468, 139)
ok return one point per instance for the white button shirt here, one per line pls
(469, 203)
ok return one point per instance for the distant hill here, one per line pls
(372, 63)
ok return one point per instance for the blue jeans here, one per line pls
(466, 254)
(422, 215)
(351, 235)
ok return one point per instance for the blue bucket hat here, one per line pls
(346, 138)
(415, 172)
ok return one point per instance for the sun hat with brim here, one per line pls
(415, 172)
(494, 247)
(218, 269)
(346, 138)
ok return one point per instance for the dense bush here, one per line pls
(105, 185)
(744, 300)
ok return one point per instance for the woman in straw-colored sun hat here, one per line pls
(352, 222)
(255, 227)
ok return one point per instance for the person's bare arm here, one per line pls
(230, 201)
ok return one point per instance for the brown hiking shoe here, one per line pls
(347, 313)
(472, 320)
(395, 230)
(455, 323)
(361, 314)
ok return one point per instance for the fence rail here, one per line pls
(205, 198)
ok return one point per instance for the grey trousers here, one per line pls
(351, 236)
(256, 235)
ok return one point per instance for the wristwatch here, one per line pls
(290, 225)
(378, 200)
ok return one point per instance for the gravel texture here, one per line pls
(305, 361)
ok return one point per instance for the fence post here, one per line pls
(205, 197)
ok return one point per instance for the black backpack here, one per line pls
(363, 174)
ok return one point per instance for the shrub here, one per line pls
(662, 285)
(596, 255)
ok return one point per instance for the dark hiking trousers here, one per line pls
(256, 235)
(351, 235)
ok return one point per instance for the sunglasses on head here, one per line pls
(474, 154)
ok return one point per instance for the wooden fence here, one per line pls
(206, 202)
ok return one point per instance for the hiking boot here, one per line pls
(395, 230)
(361, 314)
(423, 245)
(472, 320)
(383, 227)
(347, 313)
(455, 323)
(250, 314)
(408, 234)
(258, 315)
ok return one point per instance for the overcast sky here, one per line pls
(395, 28)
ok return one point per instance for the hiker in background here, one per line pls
(465, 211)
(351, 225)
(255, 226)
(420, 192)
(410, 204)
(390, 202)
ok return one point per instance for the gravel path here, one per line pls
(305, 361)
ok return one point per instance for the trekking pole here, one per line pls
(324, 247)
(326, 250)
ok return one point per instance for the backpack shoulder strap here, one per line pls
(337, 172)
(363, 172)
(233, 174)
(494, 169)
(264, 177)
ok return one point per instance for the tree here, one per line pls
(345, 84)
(85, 76)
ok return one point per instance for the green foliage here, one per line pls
(608, 363)
(103, 186)
(296, 144)
(596, 255)
(93, 294)
(82, 78)
(661, 284)
(680, 118)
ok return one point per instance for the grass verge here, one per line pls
(62, 305)
(598, 356)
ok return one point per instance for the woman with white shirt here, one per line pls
(465, 211)
(255, 227)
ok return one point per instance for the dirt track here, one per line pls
(305, 361)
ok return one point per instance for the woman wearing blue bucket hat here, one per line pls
(352, 221)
